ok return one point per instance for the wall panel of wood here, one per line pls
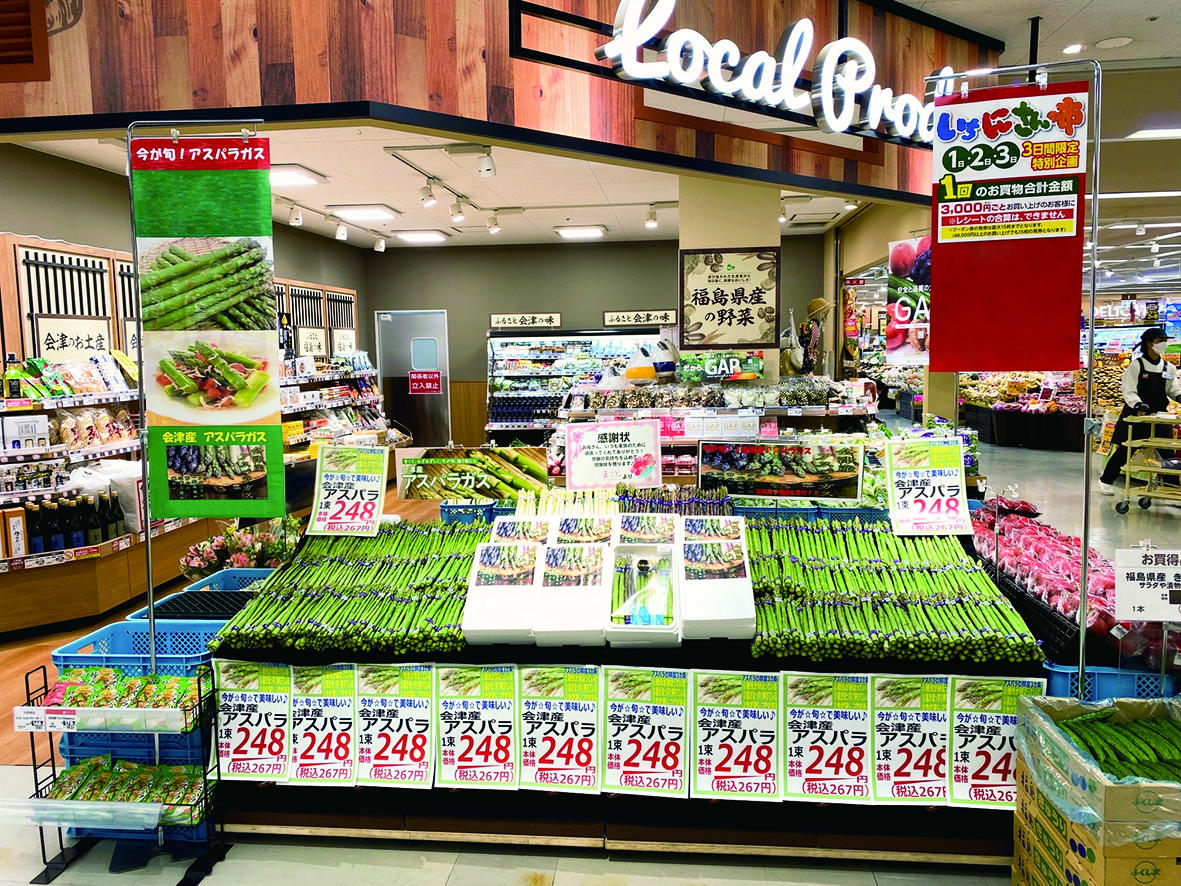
(469, 412)
(451, 57)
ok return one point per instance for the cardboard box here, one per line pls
(16, 540)
(1074, 779)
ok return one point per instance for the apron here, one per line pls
(1150, 388)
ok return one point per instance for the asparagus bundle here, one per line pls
(642, 593)
(399, 592)
(842, 589)
(230, 287)
(686, 500)
(1147, 748)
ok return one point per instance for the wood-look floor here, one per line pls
(18, 657)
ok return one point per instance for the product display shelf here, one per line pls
(19, 406)
(299, 380)
(709, 412)
(330, 404)
(89, 552)
(135, 827)
(60, 453)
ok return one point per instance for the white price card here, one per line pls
(253, 720)
(559, 728)
(350, 489)
(28, 719)
(1147, 585)
(910, 724)
(983, 727)
(826, 737)
(645, 730)
(735, 749)
(323, 725)
(61, 720)
(476, 709)
(926, 486)
(395, 726)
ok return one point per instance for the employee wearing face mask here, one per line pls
(1149, 382)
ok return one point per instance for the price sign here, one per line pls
(646, 727)
(1147, 585)
(559, 729)
(395, 726)
(323, 725)
(476, 709)
(28, 719)
(350, 489)
(910, 725)
(736, 735)
(253, 720)
(983, 753)
(61, 720)
(926, 488)
(826, 737)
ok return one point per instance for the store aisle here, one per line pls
(274, 861)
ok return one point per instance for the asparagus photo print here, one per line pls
(573, 566)
(215, 471)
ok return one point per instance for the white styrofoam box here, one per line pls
(636, 634)
(515, 530)
(499, 607)
(717, 595)
(572, 590)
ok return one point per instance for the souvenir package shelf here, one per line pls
(137, 768)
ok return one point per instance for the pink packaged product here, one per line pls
(687, 464)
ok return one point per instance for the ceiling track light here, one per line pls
(1141, 230)
(650, 221)
(342, 233)
(1154, 247)
(295, 217)
(1156, 262)
(426, 196)
(782, 213)
(493, 224)
(486, 166)
(850, 205)
(457, 212)
(379, 246)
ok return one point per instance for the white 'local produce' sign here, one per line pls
(844, 70)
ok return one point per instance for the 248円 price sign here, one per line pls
(645, 730)
(253, 720)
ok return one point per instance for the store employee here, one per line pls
(1148, 384)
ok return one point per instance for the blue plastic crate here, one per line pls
(143, 613)
(181, 647)
(186, 748)
(200, 833)
(866, 515)
(229, 580)
(504, 510)
(1103, 683)
(465, 512)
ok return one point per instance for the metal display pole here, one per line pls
(243, 133)
(1090, 425)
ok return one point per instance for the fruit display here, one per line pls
(836, 589)
(1148, 748)
(401, 591)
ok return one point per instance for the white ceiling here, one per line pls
(533, 191)
(1069, 21)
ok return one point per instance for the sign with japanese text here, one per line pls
(395, 725)
(826, 738)
(343, 340)
(645, 730)
(203, 242)
(908, 302)
(736, 735)
(910, 739)
(468, 473)
(550, 320)
(131, 338)
(253, 720)
(323, 724)
(310, 341)
(426, 381)
(476, 713)
(721, 366)
(983, 727)
(350, 490)
(603, 454)
(926, 487)
(71, 338)
(782, 470)
(1008, 177)
(1147, 585)
(729, 298)
(560, 728)
(666, 317)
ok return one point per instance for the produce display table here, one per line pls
(1055, 431)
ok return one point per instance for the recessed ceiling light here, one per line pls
(426, 196)
(364, 212)
(1112, 42)
(422, 236)
(1154, 133)
(580, 232)
(1073, 48)
(650, 221)
(457, 212)
(288, 174)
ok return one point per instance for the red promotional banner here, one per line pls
(1007, 220)
(200, 153)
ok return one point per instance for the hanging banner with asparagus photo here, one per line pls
(202, 209)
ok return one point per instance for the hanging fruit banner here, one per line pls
(1007, 218)
(211, 366)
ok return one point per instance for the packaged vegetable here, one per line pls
(71, 781)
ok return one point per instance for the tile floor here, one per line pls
(275, 861)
